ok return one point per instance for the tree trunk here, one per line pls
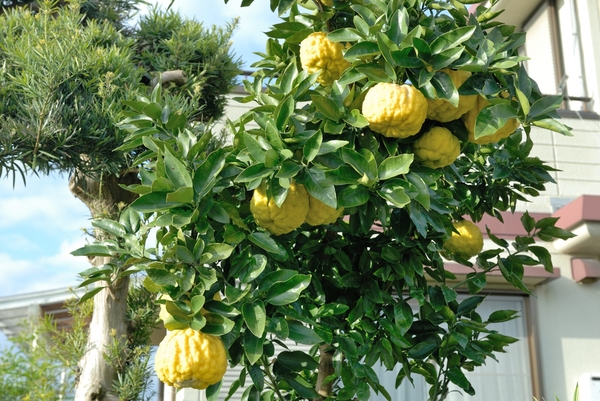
(105, 198)
(108, 326)
(325, 370)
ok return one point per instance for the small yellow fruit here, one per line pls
(442, 110)
(278, 220)
(396, 111)
(317, 53)
(190, 358)
(319, 213)
(437, 148)
(468, 242)
(328, 3)
(470, 118)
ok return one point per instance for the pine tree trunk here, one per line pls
(108, 326)
(104, 197)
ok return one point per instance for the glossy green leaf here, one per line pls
(217, 325)
(393, 191)
(353, 195)
(327, 107)
(394, 166)
(91, 250)
(153, 202)
(253, 347)
(214, 252)
(255, 316)
(452, 39)
(297, 361)
(206, 174)
(312, 146)
(302, 334)
(176, 171)
(110, 226)
(319, 186)
(286, 292)
(267, 243)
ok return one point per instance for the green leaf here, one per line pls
(403, 316)
(423, 349)
(361, 50)
(254, 172)
(303, 388)
(528, 222)
(543, 256)
(502, 316)
(329, 147)
(457, 377)
(393, 191)
(267, 243)
(319, 186)
(353, 195)
(253, 347)
(217, 325)
(153, 202)
(286, 292)
(452, 39)
(469, 305)
(545, 105)
(553, 125)
(216, 251)
(312, 146)
(131, 220)
(176, 171)
(297, 361)
(110, 226)
(93, 250)
(182, 195)
(345, 35)
(254, 148)
(358, 162)
(206, 174)
(288, 169)
(327, 107)
(161, 277)
(255, 316)
(356, 119)
(302, 334)
(395, 165)
(283, 112)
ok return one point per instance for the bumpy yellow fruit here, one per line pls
(284, 219)
(396, 111)
(470, 119)
(468, 242)
(189, 358)
(317, 53)
(319, 213)
(442, 110)
(437, 148)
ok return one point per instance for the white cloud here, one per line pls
(59, 270)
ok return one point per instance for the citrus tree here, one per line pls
(379, 133)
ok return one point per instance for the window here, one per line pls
(555, 51)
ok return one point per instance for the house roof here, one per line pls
(16, 309)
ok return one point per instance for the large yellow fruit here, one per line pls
(442, 110)
(189, 358)
(396, 111)
(437, 148)
(470, 119)
(317, 53)
(284, 219)
(319, 213)
(468, 242)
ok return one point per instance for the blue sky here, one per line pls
(41, 222)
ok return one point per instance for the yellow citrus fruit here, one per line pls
(284, 219)
(317, 53)
(328, 3)
(319, 213)
(396, 111)
(470, 118)
(437, 148)
(442, 110)
(467, 242)
(190, 358)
